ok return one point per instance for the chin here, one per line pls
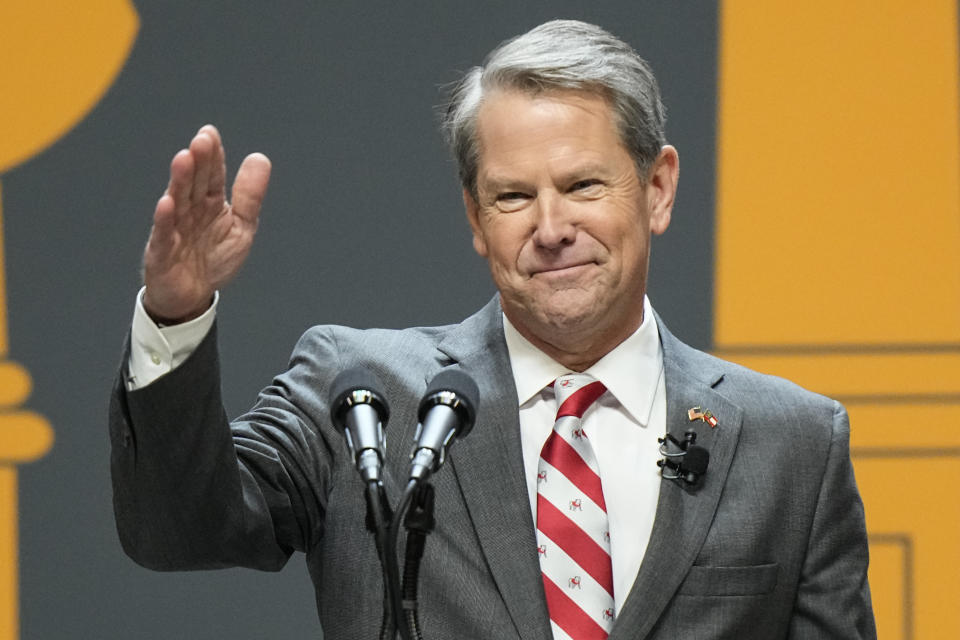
(564, 311)
(572, 317)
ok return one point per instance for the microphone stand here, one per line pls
(379, 515)
(422, 520)
(419, 523)
(447, 410)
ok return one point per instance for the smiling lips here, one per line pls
(560, 270)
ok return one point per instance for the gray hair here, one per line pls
(561, 55)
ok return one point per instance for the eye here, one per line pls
(583, 185)
(511, 200)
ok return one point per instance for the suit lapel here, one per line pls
(683, 514)
(488, 466)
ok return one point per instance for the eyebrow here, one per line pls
(495, 182)
(500, 182)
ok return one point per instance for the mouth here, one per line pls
(563, 271)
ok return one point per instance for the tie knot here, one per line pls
(575, 392)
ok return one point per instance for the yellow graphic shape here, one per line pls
(59, 58)
(838, 222)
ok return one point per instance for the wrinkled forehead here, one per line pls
(508, 112)
(541, 124)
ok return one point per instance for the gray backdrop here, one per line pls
(363, 226)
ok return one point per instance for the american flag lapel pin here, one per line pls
(696, 413)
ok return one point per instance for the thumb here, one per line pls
(250, 186)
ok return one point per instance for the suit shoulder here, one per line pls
(742, 379)
(764, 398)
(347, 342)
(412, 349)
(388, 352)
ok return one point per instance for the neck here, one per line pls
(576, 350)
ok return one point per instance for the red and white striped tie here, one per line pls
(572, 531)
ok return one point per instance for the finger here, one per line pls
(164, 226)
(218, 163)
(161, 245)
(181, 181)
(250, 186)
(201, 148)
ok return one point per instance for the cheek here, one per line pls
(635, 255)
(505, 260)
(505, 245)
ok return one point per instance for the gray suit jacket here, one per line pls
(771, 544)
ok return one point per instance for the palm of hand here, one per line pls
(199, 240)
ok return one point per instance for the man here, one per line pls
(566, 175)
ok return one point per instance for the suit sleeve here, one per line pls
(833, 597)
(192, 491)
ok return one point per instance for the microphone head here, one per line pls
(457, 390)
(696, 460)
(352, 387)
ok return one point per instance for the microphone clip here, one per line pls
(684, 461)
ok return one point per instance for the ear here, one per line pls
(662, 188)
(473, 217)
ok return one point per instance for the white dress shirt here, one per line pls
(156, 350)
(624, 424)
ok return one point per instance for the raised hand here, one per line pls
(199, 240)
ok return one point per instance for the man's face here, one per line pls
(563, 218)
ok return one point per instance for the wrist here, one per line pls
(166, 319)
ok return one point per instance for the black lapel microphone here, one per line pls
(683, 460)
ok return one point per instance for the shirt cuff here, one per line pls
(155, 350)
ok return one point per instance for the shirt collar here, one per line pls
(631, 371)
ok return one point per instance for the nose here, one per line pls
(555, 224)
